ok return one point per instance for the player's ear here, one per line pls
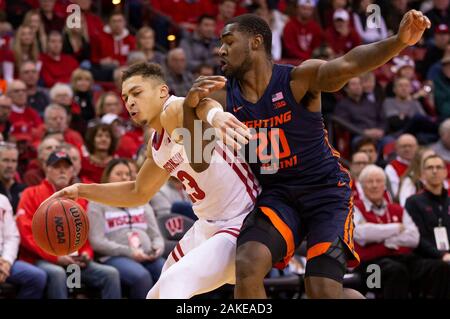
(163, 91)
(257, 42)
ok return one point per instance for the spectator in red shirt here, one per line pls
(101, 144)
(93, 22)
(59, 174)
(227, 10)
(56, 120)
(341, 36)
(302, 34)
(113, 46)
(17, 91)
(35, 172)
(52, 71)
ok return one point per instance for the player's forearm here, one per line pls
(367, 57)
(123, 194)
(333, 75)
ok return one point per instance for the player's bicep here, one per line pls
(333, 75)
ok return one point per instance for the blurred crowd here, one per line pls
(62, 121)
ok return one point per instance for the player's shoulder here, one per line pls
(307, 68)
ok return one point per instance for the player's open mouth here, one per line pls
(223, 64)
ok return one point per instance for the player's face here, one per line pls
(235, 52)
(144, 99)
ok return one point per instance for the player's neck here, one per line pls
(255, 81)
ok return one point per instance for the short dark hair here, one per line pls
(433, 156)
(205, 16)
(365, 141)
(254, 25)
(146, 70)
(92, 132)
(110, 166)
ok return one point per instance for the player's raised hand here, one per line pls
(412, 27)
(202, 87)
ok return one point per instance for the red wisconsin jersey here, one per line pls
(227, 188)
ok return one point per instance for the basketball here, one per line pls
(60, 227)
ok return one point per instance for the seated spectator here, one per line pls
(365, 29)
(356, 110)
(327, 10)
(53, 59)
(5, 111)
(76, 42)
(35, 172)
(439, 14)
(56, 121)
(112, 48)
(442, 147)
(227, 10)
(135, 251)
(369, 146)
(9, 184)
(178, 78)
(51, 19)
(130, 142)
(404, 114)
(372, 89)
(276, 21)
(441, 91)
(359, 161)
(82, 83)
(145, 42)
(436, 68)
(62, 94)
(29, 279)
(21, 111)
(59, 174)
(341, 36)
(202, 46)
(203, 70)
(170, 194)
(435, 49)
(429, 210)
(37, 97)
(108, 103)
(101, 145)
(411, 182)
(406, 148)
(386, 235)
(33, 20)
(394, 12)
(93, 22)
(75, 157)
(403, 67)
(302, 34)
(25, 47)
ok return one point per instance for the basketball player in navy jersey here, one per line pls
(306, 192)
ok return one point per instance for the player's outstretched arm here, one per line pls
(123, 194)
(333, 75)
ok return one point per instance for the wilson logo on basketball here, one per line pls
(59, 230)
(175, 225)
(78, 223)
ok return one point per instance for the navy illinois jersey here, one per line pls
(291, 144)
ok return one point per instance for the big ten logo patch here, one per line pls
(74, 18)
(175, 225)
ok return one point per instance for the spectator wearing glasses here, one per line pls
(20, 111)
(37, 97)
(429, 209)
(9, 186)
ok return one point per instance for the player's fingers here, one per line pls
(246, 131)
(234, 134)
(231, 142)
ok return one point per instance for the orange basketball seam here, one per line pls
(68, 249)
(46, 229)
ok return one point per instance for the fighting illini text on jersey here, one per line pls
(227, 188)
(300, 146)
